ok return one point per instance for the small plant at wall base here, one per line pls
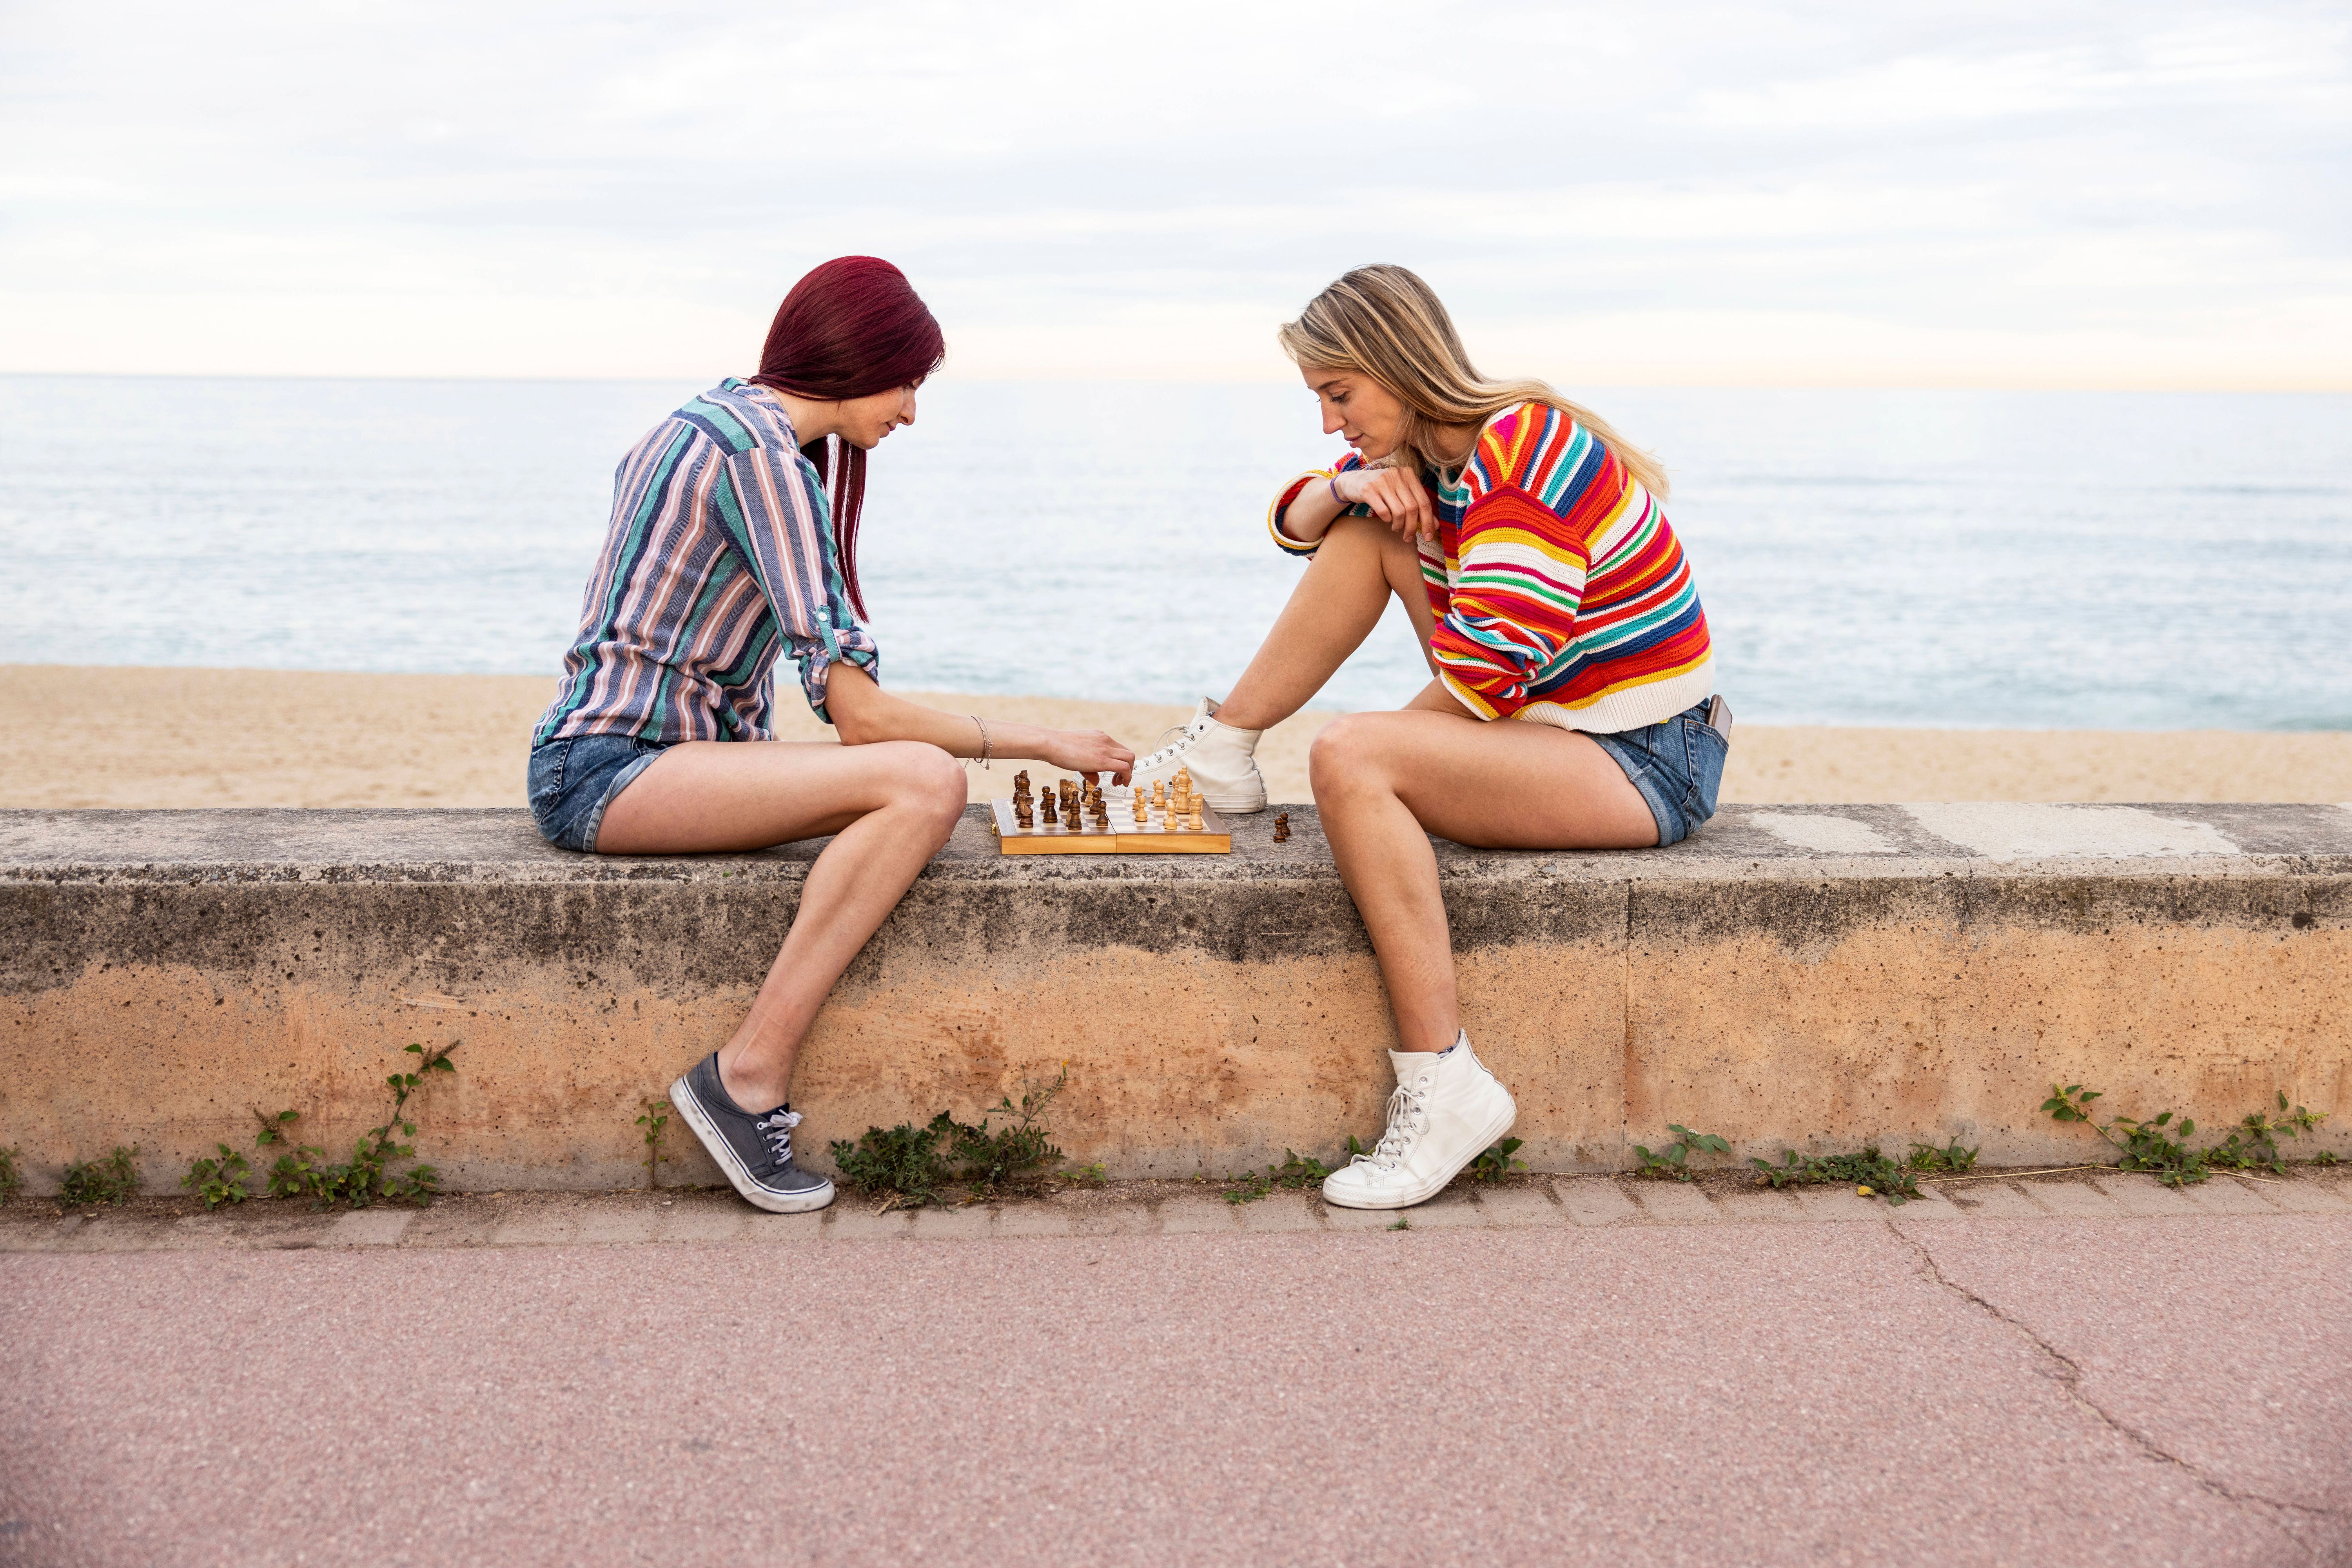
(368, 1178)
(1496, 1162)
(110, 1179)
(908, 1165)
(1951, 1159)
(1672, 1161)
(654, 1121)
(2160, 1145)
(1873, 1175)
(218, 1179)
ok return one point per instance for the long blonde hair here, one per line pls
(1384, 322)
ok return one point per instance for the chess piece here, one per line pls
(1141, 809)
(1282, 828)
(1159, 794)
(1046, 800)
(1195, 817)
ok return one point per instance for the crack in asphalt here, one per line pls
(2071, 1377)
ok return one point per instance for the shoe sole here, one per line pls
(688, 1104)
(1411, 1200)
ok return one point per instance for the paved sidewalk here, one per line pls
(2047, 1372)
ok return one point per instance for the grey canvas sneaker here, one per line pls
(756, 1151)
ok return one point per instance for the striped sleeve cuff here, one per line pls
(1273, 513)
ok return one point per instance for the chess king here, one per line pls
(1571, 704)
(725, 552)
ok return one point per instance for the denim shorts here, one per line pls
(1676, 765)
(574, 780)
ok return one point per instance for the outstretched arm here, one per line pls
(864, 713)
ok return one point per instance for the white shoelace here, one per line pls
(1185, 735)
(1408, 1119)
(777, 1128)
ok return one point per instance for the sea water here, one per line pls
(2033, 559)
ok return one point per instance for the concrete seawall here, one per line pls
(1808, 977)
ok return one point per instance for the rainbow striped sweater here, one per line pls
(1560, 592)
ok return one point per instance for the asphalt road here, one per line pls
(2052, 1391)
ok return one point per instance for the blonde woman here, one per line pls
(1572, 705)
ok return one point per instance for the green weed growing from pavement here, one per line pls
(219, 1178)
(368, 1177)
(1873, 1175)
(1295, 1171)
(2160, 1145)
(1672, 1160)
(1496, 1162)
(1951, 1159)
(654, 1121)
(909, 1165)
(1093, 1176)
(12, 1173)
(111, 1178)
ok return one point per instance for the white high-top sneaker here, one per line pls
(1222, 759)
(1447, 1110)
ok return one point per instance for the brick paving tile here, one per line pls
(1595, 1200)
(2307, 1196)
(759, 1225)
(1128, 1219)
(1517, 1206)
(2143, 1194)
(2223, 1195)
(1674, 1203)
(961, 1222)
(855, 1219)
(368, 1228)
(1761, 1205)
(1994, 1200)
(1454, 1209)
(1034, 1219)
(2072, 1200)
(1189, 1214)
(1337, 1218)
(536, 1228)
(1932, 1204)
(1828, 1204)
(614, 1226)
(1280, 1210)
(701, 1218)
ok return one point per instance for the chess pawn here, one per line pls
(1282, 828)
(1045, 801)
(1195, 817)
(1159, 794)
(1141, 809)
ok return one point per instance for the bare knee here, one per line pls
(1346, 757)
(930, 784)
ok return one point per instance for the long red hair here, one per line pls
(851, 328)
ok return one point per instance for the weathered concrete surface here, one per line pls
(1813, 975)
(2066, 1391)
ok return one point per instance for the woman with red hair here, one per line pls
(725, 551)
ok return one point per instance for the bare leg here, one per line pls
(1330, 613)
(891, 805)
(1384, 782)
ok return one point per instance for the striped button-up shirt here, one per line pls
(721, 552)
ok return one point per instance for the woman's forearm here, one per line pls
(1311, 513)
(864, 713)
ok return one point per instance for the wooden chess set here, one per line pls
(1078, 816)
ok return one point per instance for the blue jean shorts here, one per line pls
(572, 780)
(1676, 765)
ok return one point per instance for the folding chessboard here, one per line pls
(1080, 833)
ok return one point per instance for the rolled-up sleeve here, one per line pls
(782, 526)
(1297, 488)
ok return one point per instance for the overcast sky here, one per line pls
(2120, 194)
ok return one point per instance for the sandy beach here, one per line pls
(109, 736)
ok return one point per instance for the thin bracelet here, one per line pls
(1336, 495)
(983, 738)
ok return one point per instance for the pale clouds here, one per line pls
(2109, 194)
